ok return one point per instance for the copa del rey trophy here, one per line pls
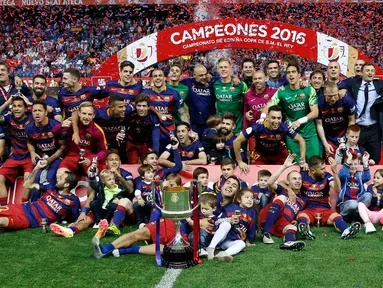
(177, 206)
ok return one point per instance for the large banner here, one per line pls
(234, 33)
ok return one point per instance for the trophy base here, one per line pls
(178, 257)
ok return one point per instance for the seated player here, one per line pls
(143, 194)
(56, 204)
(112, 120)
(124, 180)
(227, 168)
(262, 193)
(192, 153)
(74, 93)
(143, 130)
(92, 141)
(316, 188)
(42, 143)
(335, 115)
(278, 217)
(270, 140)
(20, 158)
(353, 190)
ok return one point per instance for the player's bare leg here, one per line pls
(4, 222)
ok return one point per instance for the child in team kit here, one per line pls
(262, 194)
(214, 124)
(352, 186)
(143, 193)
(201, 175)
(107, 194)
(228, 166)
(374, 213)
(237, 227)
(220, 151)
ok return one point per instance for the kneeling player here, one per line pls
(57, 204)
(316, 188)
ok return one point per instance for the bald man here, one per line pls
(200, 99)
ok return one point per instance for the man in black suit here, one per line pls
(367, 93)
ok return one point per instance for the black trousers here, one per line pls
(370, 139)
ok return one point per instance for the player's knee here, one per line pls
(303, 216)
(333, 217)
(4, 222)
(125, 202)
(282, 198)
(142, 234)
(225, 225)
(2, 179)
(289, 227)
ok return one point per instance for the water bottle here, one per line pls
(44, 223)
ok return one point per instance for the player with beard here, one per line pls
(248, 70)
(201, 100)
(274, 73)
(175, 75)
(92, 140)
(56, 204)
(127, 87)
(143, 130)
(39, 86)
(74, 93)
(335, 115)
(166, 102)
(229, 98)
(270, 140)
(301, 108)
(192, 153)
(42, 143)
(20, 158)
(317, 82)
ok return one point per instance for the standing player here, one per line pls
(20, 159)
(143, 130)
(73, 93)
(317, 81)
(335, 115)
(92, 140)
(165, 101)
(269, 137)
(175, 75)
(248, 70)
(201, 100)
(55, 204)
(301, 108)
(228, 97)
(126, 87)
(316, 188)
(274, 73)
(42, 142)
(39, 86)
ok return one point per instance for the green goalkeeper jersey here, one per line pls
(230, 99)
(183, 91)
(296, 104)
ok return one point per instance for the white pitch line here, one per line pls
(169, 278)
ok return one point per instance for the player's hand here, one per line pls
(302, 84)
(304, 166)
(193, 135)
(205, 225)
(141, 202)
(120, 137)
(35, 158)
(18, 81)
(366, 157)
(115, 171)
(349, 156)
(249, 116)
(333, 164)
(234, 219)
(174, 142)
(261, 119)
(290, 160)
(209, 77)
(242, 235)
(186, 167)
(371, 162)
(235, 81)
(295, 125)
(328, 149)
(243, 167)
(85, 162)
(281, 88)
(76, 138)
(49, 109)
(43, 163)
(342, 146)
(67, 123)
